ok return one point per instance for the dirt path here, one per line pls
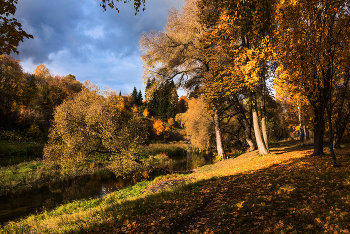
(196, 223)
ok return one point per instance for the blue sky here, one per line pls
(77, 37)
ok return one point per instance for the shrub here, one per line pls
(92, 122)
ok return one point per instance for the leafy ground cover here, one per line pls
(288, 191)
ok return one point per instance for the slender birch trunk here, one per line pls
(301, 130)
(259, 140)
(219, 147)
(263, 117)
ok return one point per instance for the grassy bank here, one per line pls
(12, 153)
(34, 174)
(288, 191)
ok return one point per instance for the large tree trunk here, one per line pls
(259, 140)
(219, 146)
(244, 122)
(306, 132)
(263, 117)
(318, 130)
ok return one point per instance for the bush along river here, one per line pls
(15, 206)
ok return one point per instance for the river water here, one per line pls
(15, 206)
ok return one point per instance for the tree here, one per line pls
(342, 108)
(171, 122)
(238, 48)
(145, 113)
(111, 4)
(182, 104)
(158, 127)
(51, 89)
(134, 96)
(312, 47)
(94, 121)
(175, 54)
(11, 88)
(150, 98)
(161, 100)
(297, 111)
(139, 99)
(199, 124)
(11, 32)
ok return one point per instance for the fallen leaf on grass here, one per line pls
(240, 204)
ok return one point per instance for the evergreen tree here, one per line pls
(134, 96)
(163, 100)
(139, 99)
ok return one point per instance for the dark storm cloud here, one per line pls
(66, 24)
(77, 37)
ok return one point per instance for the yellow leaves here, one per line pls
(135, 110)
(42, 71)
(240, 204)
(171, 122)
(126, 222)
(158, 127)
(145, 113)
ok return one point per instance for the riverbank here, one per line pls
(35, 174)
(286, 191)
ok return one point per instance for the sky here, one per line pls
(77, 37)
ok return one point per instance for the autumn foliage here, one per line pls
(145, 113)
(93, 122)
(158, 127)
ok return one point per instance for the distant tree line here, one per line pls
(28, 99)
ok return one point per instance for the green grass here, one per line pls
(288, 191)
(28, 175)
(12, 153)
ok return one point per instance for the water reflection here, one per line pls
(90, 186)
(193, 160)
(18, 205)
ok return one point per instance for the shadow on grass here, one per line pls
(304, 195)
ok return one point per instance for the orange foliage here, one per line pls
(158, 127)
(145, 113)
(171, 122)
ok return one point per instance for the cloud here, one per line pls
(77, 37)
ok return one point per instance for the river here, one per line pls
(15, 206)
